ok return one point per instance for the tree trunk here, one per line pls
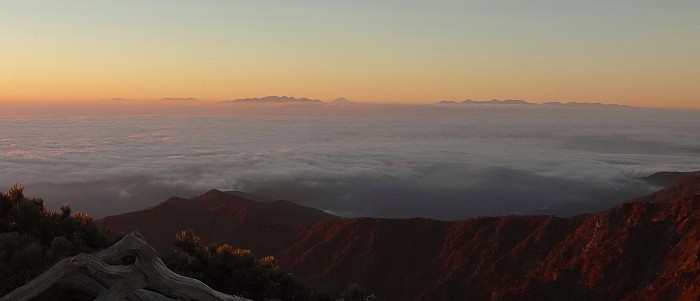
(104, 275)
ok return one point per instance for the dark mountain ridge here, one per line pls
(221, 217)
(643, 249)
(664, 178)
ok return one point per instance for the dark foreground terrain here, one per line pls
(644, 249)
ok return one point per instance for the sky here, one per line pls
(641, 53)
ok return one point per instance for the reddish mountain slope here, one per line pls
(646, 249)
(422, 259)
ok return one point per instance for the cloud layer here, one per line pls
(443, 163)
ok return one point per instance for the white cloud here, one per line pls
(437, 162)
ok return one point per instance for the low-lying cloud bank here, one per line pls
(388, 161)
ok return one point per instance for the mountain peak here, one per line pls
(446, 102)
(341, 100)
(219, 216)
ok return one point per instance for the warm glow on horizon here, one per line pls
(642, 54)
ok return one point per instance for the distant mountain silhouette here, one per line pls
(274, 99)
(643, 249)
(664, 178)
(120, 99)
(497, 102)
(523, 102)
(583, 104)
(446, 102)
(341, 100)
(180, 99)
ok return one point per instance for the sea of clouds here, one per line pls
(445, 162)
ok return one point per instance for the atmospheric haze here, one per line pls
(438, 161)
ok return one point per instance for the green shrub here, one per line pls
(32, 238)
(236, 271)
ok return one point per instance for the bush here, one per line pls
(231, 270)
(33, 238)
(236, 271)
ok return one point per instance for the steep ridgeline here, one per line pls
(221, 217)
(645, 249)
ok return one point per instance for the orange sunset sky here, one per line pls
(641, 53)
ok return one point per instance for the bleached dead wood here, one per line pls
(104, 274)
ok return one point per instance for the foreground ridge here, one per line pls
(128, 269)
(642, 249)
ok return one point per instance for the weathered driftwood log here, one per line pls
(128, 270)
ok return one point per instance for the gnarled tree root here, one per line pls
(104, 274)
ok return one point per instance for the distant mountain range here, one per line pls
(167, 99)
(180, 99)
(287, 99)
(342, 100)
(584, 104)
(644, 249)
(497, 102)
(522, 102)
(490, 102)
(274, 99)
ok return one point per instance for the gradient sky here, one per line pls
(644, 53)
